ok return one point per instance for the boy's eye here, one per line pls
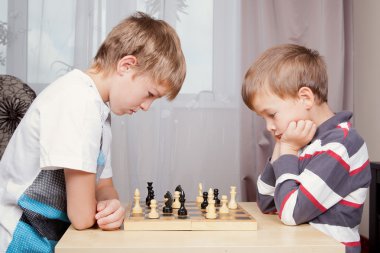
(272, 115)
(150, 94)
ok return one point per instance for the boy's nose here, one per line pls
(146, 105)
(270, 127)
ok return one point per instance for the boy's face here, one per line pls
(278, 112)
(131, 92)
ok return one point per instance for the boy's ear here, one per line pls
(306, 96)
(125, 63)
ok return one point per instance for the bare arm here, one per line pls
(106, 190)
(81, 202)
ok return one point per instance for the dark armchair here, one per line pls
(15, 99)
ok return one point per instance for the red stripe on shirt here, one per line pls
(351, 204)
(352, 244)
(345, 131)
(312, 199)
(356, 171)
(284, 202)
(330, 153)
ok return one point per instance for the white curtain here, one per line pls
(208, 137)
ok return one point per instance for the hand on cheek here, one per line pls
(297, 135)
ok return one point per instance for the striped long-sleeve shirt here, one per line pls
(325, 185)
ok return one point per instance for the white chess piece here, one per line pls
(210, 197)
(224, 209)
(233, 204)
(211, 212)
(137, 208)
(153, 214)
(200, 194)
(176, 204)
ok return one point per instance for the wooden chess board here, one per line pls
(237, 219)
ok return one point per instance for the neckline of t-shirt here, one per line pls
(91, 82)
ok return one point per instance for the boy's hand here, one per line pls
(297, 135)
(110, 214)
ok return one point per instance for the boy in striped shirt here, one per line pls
(319, 170)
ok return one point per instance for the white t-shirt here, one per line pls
(67, 126)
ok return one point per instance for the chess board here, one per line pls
(237, 219)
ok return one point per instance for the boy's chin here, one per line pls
(119, 113)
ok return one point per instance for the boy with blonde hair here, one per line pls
(319, 170)
(56, 170)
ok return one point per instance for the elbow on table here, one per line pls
(290, 221)
(82, 222)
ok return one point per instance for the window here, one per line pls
(51, 37)
(3, 34)
(193, 21)
(62, 35)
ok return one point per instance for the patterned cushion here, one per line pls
(15, 99)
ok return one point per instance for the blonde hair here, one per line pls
(283, 70)
(154, 43)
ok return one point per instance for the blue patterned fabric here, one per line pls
(44, 219)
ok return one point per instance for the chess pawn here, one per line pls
(137, 208)
(153, 214)
(232, 204)
(211, 213)
(151, 196)
(224, 209)
(176, 203)
(199, 198)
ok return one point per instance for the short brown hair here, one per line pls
(283, 70)
(153, 42)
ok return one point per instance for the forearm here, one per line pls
(81, 202)
(265, 190)
(106, 192)
(303, 194)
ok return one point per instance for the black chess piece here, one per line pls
(149, 197)
(182, 212)
(178, 188)
(205, 202)
(217, 200)
(167, 209)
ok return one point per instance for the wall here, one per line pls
(366, 81)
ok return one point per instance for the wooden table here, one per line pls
(271, 236)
